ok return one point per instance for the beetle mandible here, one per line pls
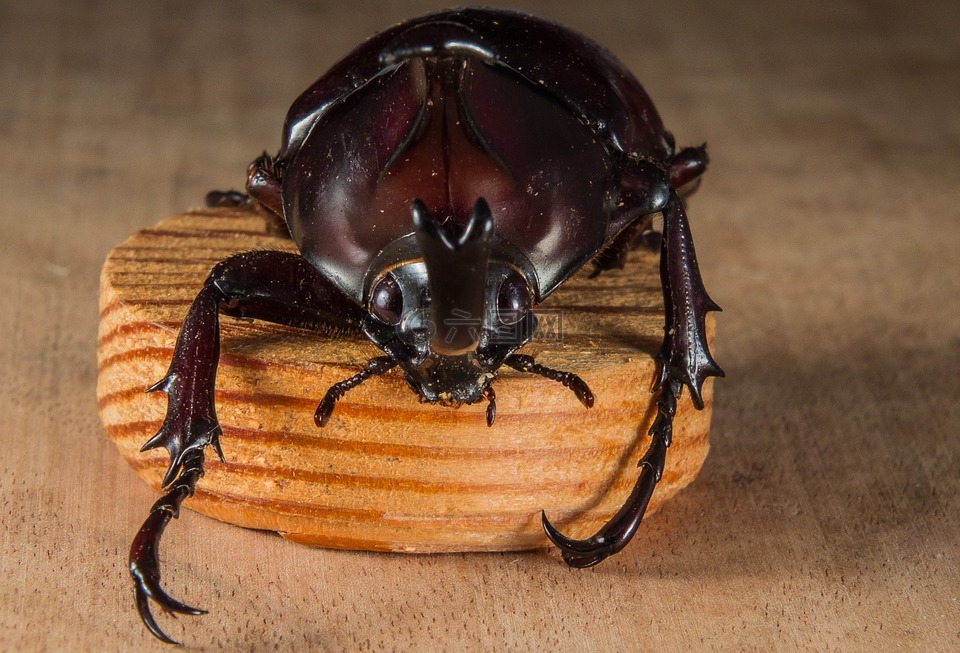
(461, 164)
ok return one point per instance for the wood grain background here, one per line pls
(827, 516)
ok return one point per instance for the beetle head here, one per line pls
(448, 307)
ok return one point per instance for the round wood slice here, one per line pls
(388, 472)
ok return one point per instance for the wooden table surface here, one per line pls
(827, 516)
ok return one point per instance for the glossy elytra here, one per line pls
(440, 182)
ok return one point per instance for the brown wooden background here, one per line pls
(828, 514)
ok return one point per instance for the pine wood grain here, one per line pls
(387, 472)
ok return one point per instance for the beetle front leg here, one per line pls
(275, 286)
(144, 556)
(683, 360)
(684, 355)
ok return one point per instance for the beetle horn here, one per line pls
(457, 274)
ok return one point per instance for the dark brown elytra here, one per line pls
(440, 182)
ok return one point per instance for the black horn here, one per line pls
(457, 272)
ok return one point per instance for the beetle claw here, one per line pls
(143, 593)
(144, 557)
(143, 609)
(617, 533)
(577, 553)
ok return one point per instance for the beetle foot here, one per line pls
(144, 557)
(526, 363)
(621, 528)
(375, 367)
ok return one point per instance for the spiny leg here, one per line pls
(684, 355)
(525, 363)
(684, 360)
(275, 286)
(375, 367)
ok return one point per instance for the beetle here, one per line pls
(463, 164)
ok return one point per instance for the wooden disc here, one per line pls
(390, 473)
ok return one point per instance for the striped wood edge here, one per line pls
(389, 473)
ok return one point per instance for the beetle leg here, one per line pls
(617, 533)
(687, 165)
(144, 558)
(614, 255)
(683, 172)
(684, 355)
(263, 194)
(375, 367)
(234, 199)
(231, 199)
(275, 286)
(263, 186)
(525, 363)
(684, 360)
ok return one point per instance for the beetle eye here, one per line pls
(386, 301)
(513, 299)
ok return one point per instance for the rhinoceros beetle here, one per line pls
(459, 165)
